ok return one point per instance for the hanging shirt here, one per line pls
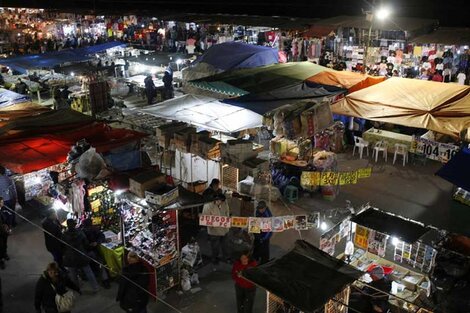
(461, 78)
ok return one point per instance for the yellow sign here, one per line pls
(240, 222)
(310, 179)
(95, 205)
(329, 178)
(346, 178)
(364, 172)
(361, 239)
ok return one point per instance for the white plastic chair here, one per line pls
(401, 149)
(360, 144)
(380, 146)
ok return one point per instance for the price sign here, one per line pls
(433, 150)
(214, 221)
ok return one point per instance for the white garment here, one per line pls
(427, 65)
(214, 210)
(461, 78)
(190, 49)
(440, 67)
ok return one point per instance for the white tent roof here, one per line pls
(206, 112)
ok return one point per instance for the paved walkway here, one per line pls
(412, 191)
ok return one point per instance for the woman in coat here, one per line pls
(51, 283)
(133, 287)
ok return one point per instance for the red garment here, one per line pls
(240, 281)
(438, 78)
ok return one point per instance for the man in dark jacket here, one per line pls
(96, 237)
(21, 87)
(75, 255)
(149, 89)
(53, 235)
(261, 243)
(212, 191)
(133, 287)
(51, 282)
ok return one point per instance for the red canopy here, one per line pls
(24, 155)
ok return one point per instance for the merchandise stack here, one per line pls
(103, 207)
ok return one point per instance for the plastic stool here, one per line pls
(291, 193)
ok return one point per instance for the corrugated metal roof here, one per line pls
(446, 35)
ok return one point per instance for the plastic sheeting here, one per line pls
(9, 98)
(29, 154)
(344, 79)
(190, 168)
(52, 59)
(260, 79)
(443, 108)
(205, 112)
(389, 224)
(457, 170)
(262, 103)
(306, 277)
(233, 55)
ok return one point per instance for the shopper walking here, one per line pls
(245, 291)
(132, 294)
(53, 236)
(217, 235)
(149, 89)
(75, 255)
(5, 231)
(51, 283)
(261, 243)
(8, 193)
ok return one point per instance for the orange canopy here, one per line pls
(444, 108)
(344, 79)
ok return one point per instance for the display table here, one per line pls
(373, 135)
(113, 258)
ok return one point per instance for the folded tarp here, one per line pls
(9, 98)
(436, 106)
(55, 58)
(457, 170)
(262, 103)
(29, 154)
(234, 55)
(389, 224)
(260, 79)
(205, 112)
(306, 277)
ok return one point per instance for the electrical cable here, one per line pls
(93, 260)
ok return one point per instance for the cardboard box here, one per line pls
(198, 186)
(165, 133)
(145, 181)
(162, 195)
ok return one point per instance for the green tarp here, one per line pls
(260, 79)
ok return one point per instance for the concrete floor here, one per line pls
(412, 191)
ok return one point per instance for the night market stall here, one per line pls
(456, 171)
(305, 280)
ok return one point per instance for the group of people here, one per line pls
(151, 89)
(75, 252)
(259, 254)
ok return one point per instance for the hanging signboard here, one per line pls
(214, 221)
(433, 150)
(361, 239)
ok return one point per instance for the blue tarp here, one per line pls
(457, 170)
(52, 59)
(234, 55)
(8, 98)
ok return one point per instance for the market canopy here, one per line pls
(9, 98)
(260, 79)
(37, 121)
(29, 154)
(344, 79)
(205, 112)
(233, 55)
(306, 277)
(407, 24)
(446, 36)
(264, 102)
(457, 170)
(443, 108)
(389, 224)
(52, 59)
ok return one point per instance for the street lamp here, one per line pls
(380, 14)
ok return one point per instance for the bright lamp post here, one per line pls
(381, 14)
